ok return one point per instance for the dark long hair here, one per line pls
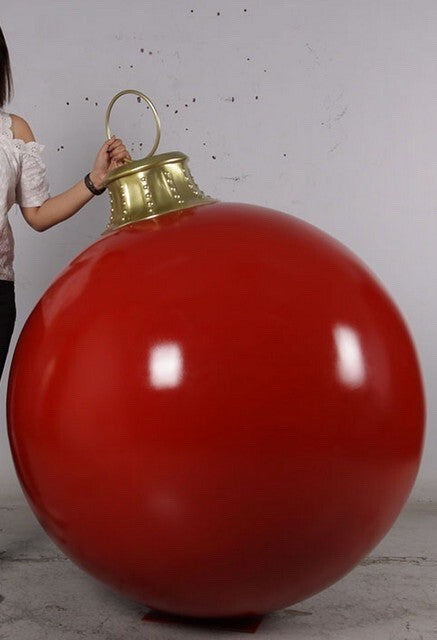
(6, 84)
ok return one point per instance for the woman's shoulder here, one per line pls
(21, 129)
(17, 136)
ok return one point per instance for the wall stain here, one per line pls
(5, 556)
(342, 113)
(294, 612)
(235, 178)
(332, 149)
(331, 106)
(390, 559)
(313, 53)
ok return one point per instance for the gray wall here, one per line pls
(323, 108)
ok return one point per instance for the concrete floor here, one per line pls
(391, 595)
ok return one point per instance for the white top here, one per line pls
(23, 180)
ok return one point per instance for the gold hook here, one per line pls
(154, 111)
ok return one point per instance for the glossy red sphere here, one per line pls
(218, 411)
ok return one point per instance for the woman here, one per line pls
(23, 181)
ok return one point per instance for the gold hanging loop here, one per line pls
(151, 105)
(152, 186)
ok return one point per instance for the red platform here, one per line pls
(247, 624)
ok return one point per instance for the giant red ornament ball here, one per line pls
(217, 411)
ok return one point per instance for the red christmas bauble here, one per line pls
(218, 411)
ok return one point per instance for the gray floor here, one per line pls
(391, 595)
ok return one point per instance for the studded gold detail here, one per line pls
(152, 187)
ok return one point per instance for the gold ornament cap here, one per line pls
(152, 186)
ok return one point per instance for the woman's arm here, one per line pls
(66, 204)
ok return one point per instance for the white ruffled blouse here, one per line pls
(23, 181)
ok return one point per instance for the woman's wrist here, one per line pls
(97, 179)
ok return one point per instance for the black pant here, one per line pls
(8, 314)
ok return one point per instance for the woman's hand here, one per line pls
(111, 155)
